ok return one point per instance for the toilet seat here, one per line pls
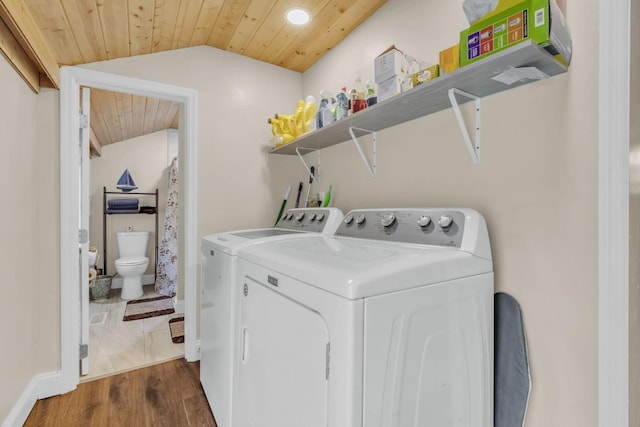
(134, 260)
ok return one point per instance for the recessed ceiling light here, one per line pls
(298, 16)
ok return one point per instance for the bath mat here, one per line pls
(176, 326)
(98, 318)
(149, 307)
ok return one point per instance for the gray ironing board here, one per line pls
(512, 377)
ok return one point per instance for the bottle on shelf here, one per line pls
(357, 95)
(299, 117)
(370, 96)
(324, 116)
(310, 110)
(277, 140)
(342, 104)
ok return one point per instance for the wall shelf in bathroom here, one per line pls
(105, 196)
(431, 97)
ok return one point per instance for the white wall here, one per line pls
(146, 159)
(237, 187)
(536, 186)
(29, 209)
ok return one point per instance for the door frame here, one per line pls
(613, 212)
(71, 79)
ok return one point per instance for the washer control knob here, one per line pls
(360, 219)
(445, 221)
(289, 216)
(300, 217)
(424, 221)
(388, 220)
(348, 219)
(320, 217)
(312, 217)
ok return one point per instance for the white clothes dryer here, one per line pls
(389, 323)
(218, 299)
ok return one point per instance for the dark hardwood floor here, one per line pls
(168, 394)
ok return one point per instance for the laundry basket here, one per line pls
(100, 287)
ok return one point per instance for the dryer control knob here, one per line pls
(388, 220)
(424, 221)
(312, 217)
(288, 216)
(300, 216)
(348, 219)
(445, 221)
(320, 217)
(360, 219)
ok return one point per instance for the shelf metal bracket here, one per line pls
(316, 176)
(474, 148)
(370, 166)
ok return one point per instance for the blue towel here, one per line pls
(114, 203)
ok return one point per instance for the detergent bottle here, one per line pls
(299, 118)
(276, 139)
(324, 117)
(342, 101)
(286, 129)
(310, 110)
(357, 95)
(370, 96)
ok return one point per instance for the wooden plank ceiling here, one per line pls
(72, 32)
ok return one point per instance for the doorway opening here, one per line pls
(72, 281)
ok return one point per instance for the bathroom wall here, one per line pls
(146, 159)
(27, 253)
(537, 186)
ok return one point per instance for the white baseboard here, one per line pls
(147, 279)
(40, 387)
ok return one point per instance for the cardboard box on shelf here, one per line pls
(390, 87)
(449, 59)
(394, 62)
(389, 63)
(538, 20)
(425, 75)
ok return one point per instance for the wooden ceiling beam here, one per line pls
(18, 58)
(94, 144)
(20, 22)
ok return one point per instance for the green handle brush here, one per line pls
(327, 197)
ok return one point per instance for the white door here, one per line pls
(282, 378)
(84, 230)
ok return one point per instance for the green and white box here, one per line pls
(539, 20)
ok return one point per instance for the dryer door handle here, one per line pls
(245, 345)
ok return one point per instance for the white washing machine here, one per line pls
(218, 300)
(389, 323)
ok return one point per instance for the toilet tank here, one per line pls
(132, 243)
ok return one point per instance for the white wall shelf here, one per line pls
(431, 97)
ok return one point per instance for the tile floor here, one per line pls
(116, 346)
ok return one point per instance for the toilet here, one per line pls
(132, 262)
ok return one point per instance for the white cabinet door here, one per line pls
(282, 379)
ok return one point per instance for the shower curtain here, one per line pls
(167, 272)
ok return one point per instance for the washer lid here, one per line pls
(358, 268)
(230, 242)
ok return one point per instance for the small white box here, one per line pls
(390, 87)
(391, 62)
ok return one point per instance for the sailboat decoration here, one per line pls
(125, 183)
